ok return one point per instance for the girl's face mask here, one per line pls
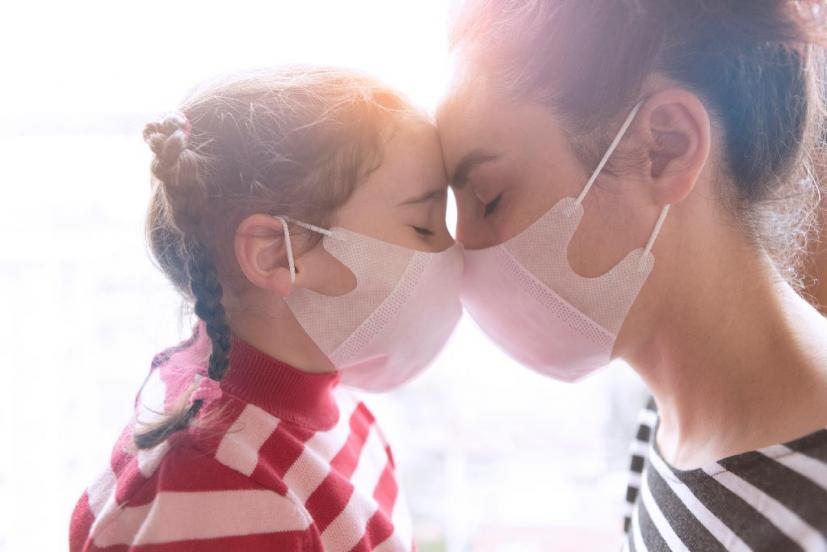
(396, 320)
(524, 294)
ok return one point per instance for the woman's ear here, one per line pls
(261, 252)
(675, 128)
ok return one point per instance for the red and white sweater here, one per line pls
(283, 460)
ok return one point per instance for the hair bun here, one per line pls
(167, 139)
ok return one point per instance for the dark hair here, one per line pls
(292, 142)
(756, 64)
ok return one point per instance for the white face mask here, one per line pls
(396, 320)
(524, 294)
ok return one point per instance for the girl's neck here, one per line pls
(738, 365)
(270, 327)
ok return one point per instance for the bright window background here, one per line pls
(492, 457)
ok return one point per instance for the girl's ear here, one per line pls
(261, 252)
(676, 133)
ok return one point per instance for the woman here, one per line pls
(632, 182)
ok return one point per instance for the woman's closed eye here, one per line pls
(491, 206)
(489, 193)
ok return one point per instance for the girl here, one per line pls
(302, 212)
(633, 181)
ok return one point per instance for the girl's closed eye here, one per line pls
(423, 211)
(423, 231)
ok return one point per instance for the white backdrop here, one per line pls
(492, 456)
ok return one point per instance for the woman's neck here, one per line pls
(739, 364)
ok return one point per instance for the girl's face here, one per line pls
(402, 202)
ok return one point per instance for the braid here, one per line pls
(182, 201)
(207, 291)
(173, 423)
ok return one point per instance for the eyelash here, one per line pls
(491, 206)
(423, 231)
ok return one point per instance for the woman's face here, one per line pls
(509, 162)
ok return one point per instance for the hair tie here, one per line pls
(176, 120)
(186, 128)
(208, 390)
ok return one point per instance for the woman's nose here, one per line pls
(462, 227)
(459, 231)
(471, 234)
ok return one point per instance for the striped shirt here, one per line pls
(283, 460)
(773, 499)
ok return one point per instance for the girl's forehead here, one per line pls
(412, 165)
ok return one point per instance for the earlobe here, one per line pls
(261, 253)
(676, 130)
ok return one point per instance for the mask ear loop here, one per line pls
(311, 227)
(602, 165)
(651, 243)
(288, 244)
(609, 152)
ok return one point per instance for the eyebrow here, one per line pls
(471, 161)
(431, 195)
